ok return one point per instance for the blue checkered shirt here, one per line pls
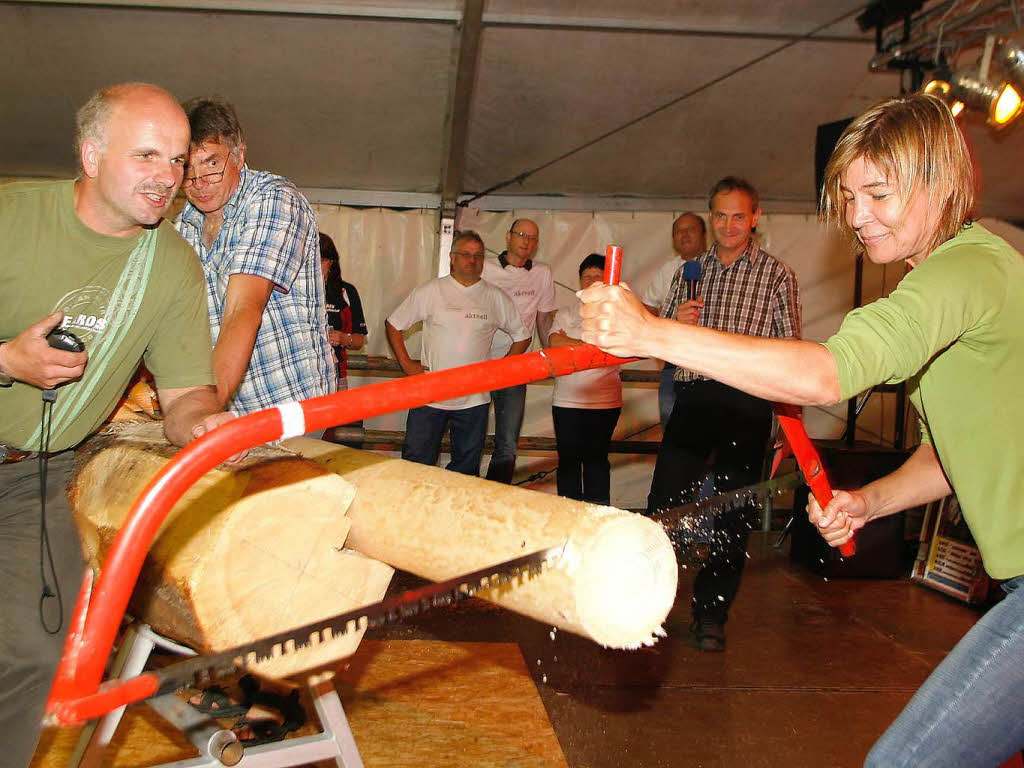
(270, 231)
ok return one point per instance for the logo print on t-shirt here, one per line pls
(85, 311)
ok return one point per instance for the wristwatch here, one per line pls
(5, 380)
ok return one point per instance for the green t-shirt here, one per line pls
(954, 329)
(53, 262)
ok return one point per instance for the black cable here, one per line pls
(520, 178)
(45, 552)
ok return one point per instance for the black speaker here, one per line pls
(824, 142)
(882, 549)
(881, 553)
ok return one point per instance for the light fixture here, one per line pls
(1011, 60)
(941, 89)
(1002, 104)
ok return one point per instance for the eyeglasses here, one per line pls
(467, 254)
(209, 178)
(529, 238)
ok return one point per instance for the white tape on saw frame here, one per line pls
(293, 420)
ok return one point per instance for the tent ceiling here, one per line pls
(356, 96)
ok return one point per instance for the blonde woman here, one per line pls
(900, 183)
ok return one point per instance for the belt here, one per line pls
(9, 455)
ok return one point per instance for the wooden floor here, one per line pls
(814, 672)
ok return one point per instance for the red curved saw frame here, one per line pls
(77, 694)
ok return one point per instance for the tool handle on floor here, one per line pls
(809, 461)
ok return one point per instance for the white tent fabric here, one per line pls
(357, 97)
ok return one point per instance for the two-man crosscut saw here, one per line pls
(77, 693)
(199, 670)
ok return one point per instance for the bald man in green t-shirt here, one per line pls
(94, 257)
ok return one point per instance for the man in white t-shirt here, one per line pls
(689, 240)
(585, 407)
(532, 288)
(460, 315)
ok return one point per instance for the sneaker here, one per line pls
(710, 634)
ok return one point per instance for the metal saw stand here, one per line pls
(218, 746)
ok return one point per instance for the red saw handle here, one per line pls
(809, 461)
(612, 264)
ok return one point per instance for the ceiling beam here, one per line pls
(656, 26)
(371, 198)
(350, 9)
(466, 55)
(341, 8)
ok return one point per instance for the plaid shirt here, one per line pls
(756, 295)
(270, 231)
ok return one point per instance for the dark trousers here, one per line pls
(28, 654)
(582, 435)
(425, 428)
(509, 407)
(722, 430)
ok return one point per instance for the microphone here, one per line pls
(691, 274)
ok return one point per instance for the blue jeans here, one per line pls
(509, 405)
(666, 394)
(425, 428)
(970, 710)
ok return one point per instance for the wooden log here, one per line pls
(250, 550)
(615, 583)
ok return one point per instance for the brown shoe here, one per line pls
(710, 635)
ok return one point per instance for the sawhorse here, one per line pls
(218, 746)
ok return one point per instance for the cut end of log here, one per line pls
(626, 581)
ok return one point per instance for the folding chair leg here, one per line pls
(333, 720)
(136, 646)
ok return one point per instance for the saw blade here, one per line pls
(694, 523)
(200, 670)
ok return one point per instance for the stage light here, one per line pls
(1001, 104)
(1007, 106)
(1011, 60)
(941, 89)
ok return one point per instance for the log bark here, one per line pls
(250, 550)
(615, 583)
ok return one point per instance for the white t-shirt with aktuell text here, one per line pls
(459, 323)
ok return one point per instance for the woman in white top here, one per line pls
(585, 407)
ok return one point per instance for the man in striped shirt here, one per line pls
(714, 428)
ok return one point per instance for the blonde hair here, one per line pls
(915, 142)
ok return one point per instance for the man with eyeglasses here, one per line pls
(460, 314)
(92, 256)
(532, 288)
(258, 244)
